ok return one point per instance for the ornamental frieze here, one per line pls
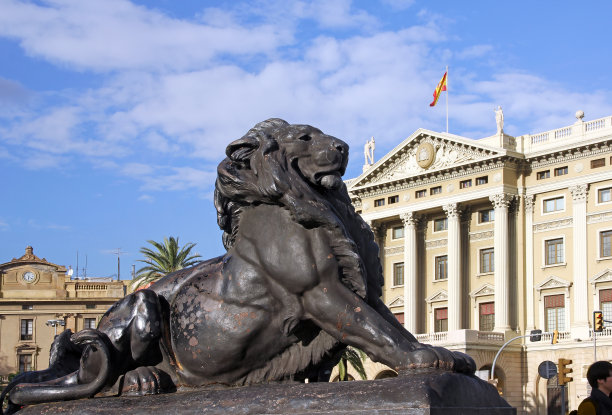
(477, 236)
(436, 243)
(396, 250)
(599, 217)
(554, 224)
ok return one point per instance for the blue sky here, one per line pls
(114, 114)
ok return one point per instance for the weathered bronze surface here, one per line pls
(301, 279)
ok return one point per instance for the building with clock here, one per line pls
(482, 241)
(37, 301)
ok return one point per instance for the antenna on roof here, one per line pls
(119, 252)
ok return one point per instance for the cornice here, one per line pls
(429, 178)
(571, 152)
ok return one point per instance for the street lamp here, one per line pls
(55, 323)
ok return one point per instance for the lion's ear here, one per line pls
(241, 149)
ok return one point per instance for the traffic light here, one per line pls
(535, 335)
(564, 370)
(598, 321)
(555, 337)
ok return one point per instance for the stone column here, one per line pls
(580, 326)
(529, 284)
(501, 202)
(410, 271)
(454, 267)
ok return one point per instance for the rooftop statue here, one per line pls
(301, 279)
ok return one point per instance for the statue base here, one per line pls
(424, 392)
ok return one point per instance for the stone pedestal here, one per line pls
(427, 392)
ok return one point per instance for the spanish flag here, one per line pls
(441, 87)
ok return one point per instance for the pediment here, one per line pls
(603, 276)
(425, 152)
(441, 295)
(553, 282)
(398, 302)
(485, 289)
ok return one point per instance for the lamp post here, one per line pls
(55, 323)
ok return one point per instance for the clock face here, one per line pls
(28, 276)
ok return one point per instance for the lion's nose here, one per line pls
(340, 146)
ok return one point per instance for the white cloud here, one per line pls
(4, 226)
(116, 34)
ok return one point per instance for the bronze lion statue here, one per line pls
(301, 279)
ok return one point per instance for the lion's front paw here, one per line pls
(426, 356)
(146, 380)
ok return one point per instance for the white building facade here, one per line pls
(484, 240)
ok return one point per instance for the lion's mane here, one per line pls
(258, 170)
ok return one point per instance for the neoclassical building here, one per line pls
(484, 240)
(37, 301)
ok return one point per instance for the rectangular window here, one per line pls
(605, 303)
(90, 306)
(487, 260)
(420, 193)
(441, 320)
(482, 180)
(561, 171)
(553, 205)
(379, 202)
(27, 307)
(397, 232)
(89, 323)
(604, 195)
(554, 251)
(399, 317)
(441, 267)
(605, 244)
(486, 320)
(464, 184)
(25, 362)
(27, 329)
(598, 163)
(554, 310)
(398, 274)
(435, 190)
(485, 216)
(393, 199)
(440, 224)
(545, 174)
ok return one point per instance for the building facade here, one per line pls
(37, 301)
(484, 240)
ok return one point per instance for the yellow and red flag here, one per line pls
(441, 87)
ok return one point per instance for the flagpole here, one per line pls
(447, 99)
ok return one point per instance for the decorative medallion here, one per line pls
(425, 155)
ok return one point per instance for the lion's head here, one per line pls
(299, 168)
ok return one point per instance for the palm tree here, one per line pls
(168, 257)
(356, 358)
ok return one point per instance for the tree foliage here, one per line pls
(165, 258)
(356, 358)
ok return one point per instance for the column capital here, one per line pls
(452, 210)
(378, 230)
(409, 218)
(579, 192)
(529, 201)
(501, 200)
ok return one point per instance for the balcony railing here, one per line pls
(576, 131)
(461, 336)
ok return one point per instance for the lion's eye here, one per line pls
(304, 137)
